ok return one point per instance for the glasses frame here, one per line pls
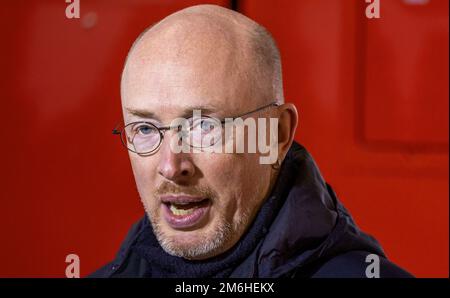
(162, 129)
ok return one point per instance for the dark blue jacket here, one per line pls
(310, 234)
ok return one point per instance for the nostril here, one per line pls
(184, 173)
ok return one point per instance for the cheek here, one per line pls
(144, 174)
(219, 171)
(239, 180)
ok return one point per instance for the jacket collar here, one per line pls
(311, 226)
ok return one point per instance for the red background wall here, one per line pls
(372, 94)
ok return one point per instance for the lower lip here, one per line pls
(185, 221)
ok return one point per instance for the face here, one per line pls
(199, 204)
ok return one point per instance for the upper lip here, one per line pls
(181, 199)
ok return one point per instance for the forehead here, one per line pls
(169, 86)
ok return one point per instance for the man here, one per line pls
(222, 214)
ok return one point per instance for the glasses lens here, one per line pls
(141, 137)
(204, 132)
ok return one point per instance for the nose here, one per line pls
(176, 167)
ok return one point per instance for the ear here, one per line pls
(288, 119)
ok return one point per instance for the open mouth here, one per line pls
(182, 212)
(181, 209)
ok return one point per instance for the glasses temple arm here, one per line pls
(275, 104)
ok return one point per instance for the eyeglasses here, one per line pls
(144, 138)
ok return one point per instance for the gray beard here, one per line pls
(207, 247)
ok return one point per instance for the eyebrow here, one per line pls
(186, 113)
(142, 113)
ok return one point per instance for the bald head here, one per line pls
(207, 47)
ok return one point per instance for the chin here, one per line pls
(197, 244)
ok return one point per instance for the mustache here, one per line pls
(195, 191)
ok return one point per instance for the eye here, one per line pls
(207, 125)
(144, 129)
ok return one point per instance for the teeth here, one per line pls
(177, 211)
